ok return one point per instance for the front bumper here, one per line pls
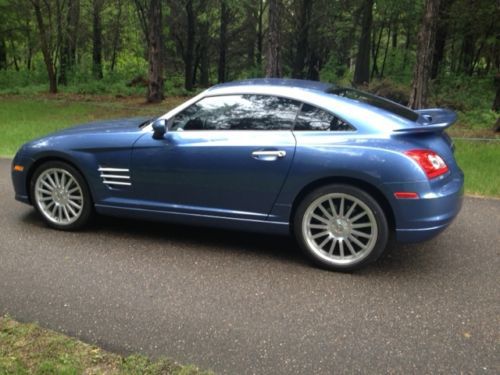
(19, 178)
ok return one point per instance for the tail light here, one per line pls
(430, 162)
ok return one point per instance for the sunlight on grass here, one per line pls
(23, 119)
(479, 161)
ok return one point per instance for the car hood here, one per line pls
(106, 126)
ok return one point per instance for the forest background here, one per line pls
(68, 61)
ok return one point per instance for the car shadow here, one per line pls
(399, 258)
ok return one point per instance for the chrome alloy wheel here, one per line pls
(59, 196)
(340, 228)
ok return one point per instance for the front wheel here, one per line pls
(341, 227)
(61, 196)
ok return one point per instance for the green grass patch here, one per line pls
(30, 349)
(26, 118)
(478, 160)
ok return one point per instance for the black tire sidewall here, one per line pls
(87, 209)
(382, 225)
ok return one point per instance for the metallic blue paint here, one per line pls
(210, 177)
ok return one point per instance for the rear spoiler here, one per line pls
(431, 120)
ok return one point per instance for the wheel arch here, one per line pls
(45, 159)
(369, 188)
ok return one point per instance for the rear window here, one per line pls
(376, 101)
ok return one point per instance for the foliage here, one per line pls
(29, 349)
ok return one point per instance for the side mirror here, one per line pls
(159, 128)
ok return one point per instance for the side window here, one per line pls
(238, 112)
(314, 118)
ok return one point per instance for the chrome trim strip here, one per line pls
(101, 169)
(117, 183)
(115, 176)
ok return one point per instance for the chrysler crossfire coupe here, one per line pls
(339, 169)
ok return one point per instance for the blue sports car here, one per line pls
(340, 169)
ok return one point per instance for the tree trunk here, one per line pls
(302, 33)
(425, 51)
(116, 34)
(362, 69)
(496, 102)
(45, 46)
(441, 36)
(3, 54)
(204, 61)
(260, 33)
(273, 67)
(155, 52)
(189, 53)
(386, 51)
(97, 39)
(224, 19)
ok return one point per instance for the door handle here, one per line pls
(268, 155)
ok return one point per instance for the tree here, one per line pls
(97, 38)
(68, 47)
(425, 51)
(362, 69)
(224, 20)
(46, 44)
(302, 38)
(155, 53)
(273, 67)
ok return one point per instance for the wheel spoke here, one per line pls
(56, 178)
(77, 206)
(320, 234)
(341, 248)
(349, 246)
(358, 216)
(319, 218)
(47, 185)
(318, 226)
(51, 181)
(44, 191)
(341, 208)
(360, 234)
(324, 242)
(63, 179)
(362, 225)
(357, 242)
(325, 212)
(66, 213)
(332, 246)
(332, 207)
(351, 209)
(70, 209)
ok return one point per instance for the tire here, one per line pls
(61, 196)
(340, 236)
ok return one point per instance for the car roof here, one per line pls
(275, 82)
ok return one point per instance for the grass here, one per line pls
(30, 349)
(25, 118)
(479, 159)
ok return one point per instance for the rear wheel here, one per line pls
(341, 227)
(61, 196)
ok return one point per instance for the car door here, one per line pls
(223, 156)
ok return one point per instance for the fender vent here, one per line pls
(115, 177)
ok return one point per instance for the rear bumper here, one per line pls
(438, 204)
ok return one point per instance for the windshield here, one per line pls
(376, 101)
